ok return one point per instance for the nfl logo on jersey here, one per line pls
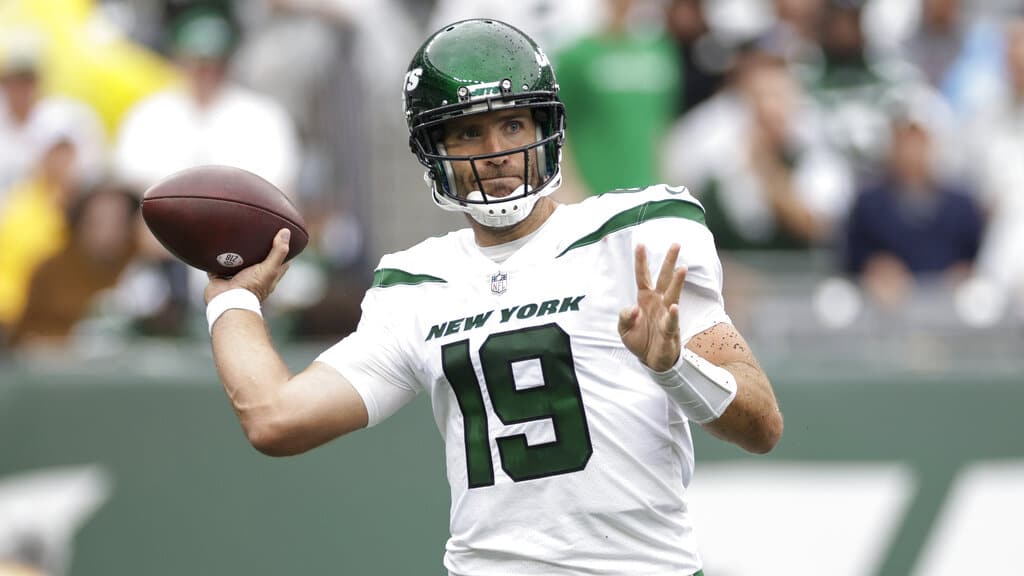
(499, 282)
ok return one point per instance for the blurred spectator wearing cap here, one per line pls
(911, 227)
(997, 148)
(33, 226)
(102, 230)
(208, 119)
(755, 157)
(27, 117)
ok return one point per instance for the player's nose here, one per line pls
(493, 143)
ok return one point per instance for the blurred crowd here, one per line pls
(883, 137)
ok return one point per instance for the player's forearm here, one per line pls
(251, 371)
(753, 420)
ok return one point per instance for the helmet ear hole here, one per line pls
(542, 163)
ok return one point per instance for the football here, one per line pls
(220, 219)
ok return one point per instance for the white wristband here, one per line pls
(701, 389)
(236, 298)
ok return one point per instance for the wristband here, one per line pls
(236, 298)
(700, 388)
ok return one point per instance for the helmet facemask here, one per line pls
(541, 158)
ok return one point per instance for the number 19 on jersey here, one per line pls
(558, 399)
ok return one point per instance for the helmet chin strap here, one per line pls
(498, 212)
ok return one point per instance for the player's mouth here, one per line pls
(500, 186)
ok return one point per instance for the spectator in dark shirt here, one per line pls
(910, 227)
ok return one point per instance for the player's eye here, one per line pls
(514, 126)
(469, 133)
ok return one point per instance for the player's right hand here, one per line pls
(260, 279)
(650, 329)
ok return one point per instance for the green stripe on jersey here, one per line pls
(638, 215)
(386, 277)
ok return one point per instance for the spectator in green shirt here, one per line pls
(620, 89)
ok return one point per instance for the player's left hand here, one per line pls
(650, 329)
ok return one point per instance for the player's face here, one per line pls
(488, 133)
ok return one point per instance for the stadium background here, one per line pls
(120, 455)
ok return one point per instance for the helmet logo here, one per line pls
(481, 90)
(412, 79)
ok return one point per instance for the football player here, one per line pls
(566, 348)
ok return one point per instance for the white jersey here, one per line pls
(563, 456)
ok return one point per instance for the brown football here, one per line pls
(220, 219)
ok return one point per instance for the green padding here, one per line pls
(638, 215)
(190, 496)
(385, 277)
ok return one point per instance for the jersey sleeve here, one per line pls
(701, 305)
(373, 360)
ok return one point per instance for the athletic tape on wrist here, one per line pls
(234, 299)
(701, 389)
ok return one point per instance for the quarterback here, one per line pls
(566, 349)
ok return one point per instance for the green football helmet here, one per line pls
(478, 66)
